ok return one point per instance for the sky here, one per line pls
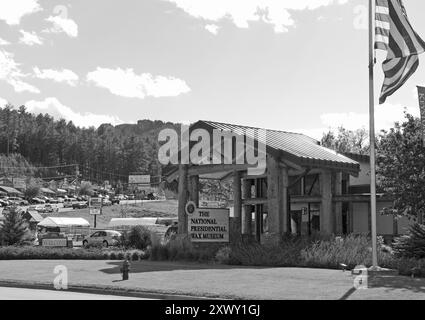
(292, 65)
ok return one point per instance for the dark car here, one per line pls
(80, 205)
(115, 200)
(151, 196)
(4, 203)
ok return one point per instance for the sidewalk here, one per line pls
(202, 280)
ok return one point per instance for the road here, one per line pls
(35, 294)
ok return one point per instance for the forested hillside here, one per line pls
(105, 153)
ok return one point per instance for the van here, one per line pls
(67, 202)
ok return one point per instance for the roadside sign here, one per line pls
(62, 242)
(139, 179)
(95, 211)
(208, 224)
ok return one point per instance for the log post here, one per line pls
(338, 205)
(183, 198)
(194, 189)
(237, 197)
(274, 198)
(247, 209)
(326, 221)
(285, 206)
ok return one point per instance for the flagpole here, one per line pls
(372, 133)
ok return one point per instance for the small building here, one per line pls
(69, 226)
(304, 189)
(11, 192)
(47, 192)
(33, 218)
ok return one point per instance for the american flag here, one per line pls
(394, 34)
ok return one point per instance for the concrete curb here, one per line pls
(103, 290)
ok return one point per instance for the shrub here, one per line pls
(411, 245)
(138, 237)
(135, 256)
(113, 256)
(43, 253)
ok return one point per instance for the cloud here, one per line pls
(3, 103)
(12, 11)
(30, 38)
(213, 28)
(61, 24)
(57, 110)
(65, 75)
(273, 12)
(126, 83)
(12, 74)
(4, 42)
(385, 117)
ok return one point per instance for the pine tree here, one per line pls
(14, 229)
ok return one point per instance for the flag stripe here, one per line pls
(408, 66)
(394, 33)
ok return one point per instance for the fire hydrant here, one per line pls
(125, 269)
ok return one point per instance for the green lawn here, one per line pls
(214, 280)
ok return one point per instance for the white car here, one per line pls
(105, 238)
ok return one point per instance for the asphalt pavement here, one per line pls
(36, 294)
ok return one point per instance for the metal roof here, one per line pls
(47, 190)
(64, 222)
(307, 151)
(10, 190)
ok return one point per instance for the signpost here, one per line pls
(207, 224)
(95, 208)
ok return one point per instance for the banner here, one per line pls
(421, 93)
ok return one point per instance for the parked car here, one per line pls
(115, 200)
(131, 197)
(37, 201)
(105, 237)
(48, 208)
(61, 200)
(151, 196)
(80, 205)
(106, 202)
(38, 208)
(4, 202)
(53, 200)
(68, 202)
(18, 201)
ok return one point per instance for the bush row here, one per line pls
(43, 253)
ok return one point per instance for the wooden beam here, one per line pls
(254, 201)
(336, 199)
(216, 168)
